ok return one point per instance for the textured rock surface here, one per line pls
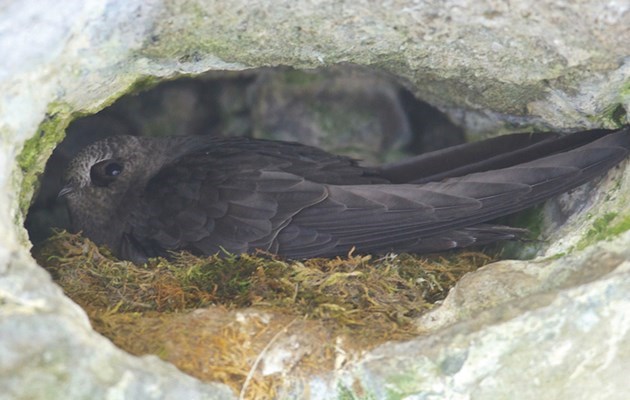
(520, 58)
(569, 344)
(489, 63)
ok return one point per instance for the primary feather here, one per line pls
(205, 194)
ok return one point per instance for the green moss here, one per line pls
(300, 78)
(624, 91)
(621, 227)
(605, 227)
(142, 308)
(37, 150)
(386, 294)
(556, 256)
(618, 115)
(531, 219)
(614, 115)
(141, 84)
(406, 383)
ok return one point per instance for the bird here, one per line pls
(146, 197)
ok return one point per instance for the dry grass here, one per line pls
(248, 305)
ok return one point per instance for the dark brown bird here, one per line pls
(144, 197)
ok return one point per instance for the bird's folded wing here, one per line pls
(204, 205)
(380, 217)
(499, 152)
(204, 202)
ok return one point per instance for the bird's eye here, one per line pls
(105, 172)
(113, 169)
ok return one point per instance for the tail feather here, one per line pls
(500, 152)
(439, 215)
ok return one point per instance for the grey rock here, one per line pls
(570, 344)
(342, 110)
(49, 351)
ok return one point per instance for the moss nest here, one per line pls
(217, 317)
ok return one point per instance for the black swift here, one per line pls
(145, 197)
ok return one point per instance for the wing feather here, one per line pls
(303, 202)
(435, 215)
(204, 202)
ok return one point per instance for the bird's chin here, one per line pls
(89, 222)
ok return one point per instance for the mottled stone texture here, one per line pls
(560, 332)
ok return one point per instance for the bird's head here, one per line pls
(102, 179)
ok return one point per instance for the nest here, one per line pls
(218, 317)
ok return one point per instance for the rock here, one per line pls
(48, 349)
(343, 110)
(559, 329)
(569, 344)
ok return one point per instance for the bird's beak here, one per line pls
(65, 190)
